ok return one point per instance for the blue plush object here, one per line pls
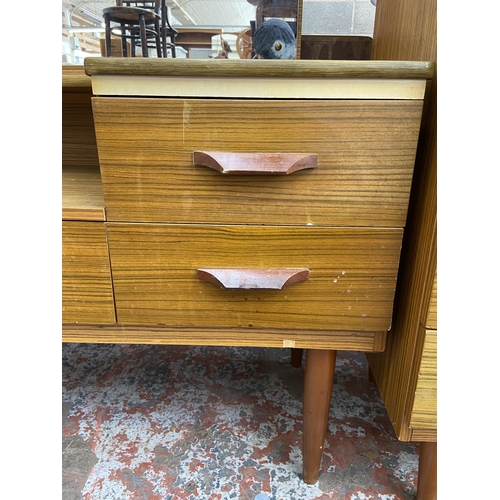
(274, 39)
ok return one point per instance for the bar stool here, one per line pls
(138, 21)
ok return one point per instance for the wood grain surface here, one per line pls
(87, 294)
(424, 414)
(366, 153)
(74, 79)
(352, 275)
(431, 321)
(243, 337)
(82, 196)
(78, 135)
(259, 68)
(406, 30)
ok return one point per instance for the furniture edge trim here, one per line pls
(242, 337)
(256, 88)
(260, 68)
(427, 435)
(84, 214)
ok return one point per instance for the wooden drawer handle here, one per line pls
(255, 163)
(249, 279)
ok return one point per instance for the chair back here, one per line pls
(154, 5)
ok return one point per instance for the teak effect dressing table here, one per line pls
(239, 203)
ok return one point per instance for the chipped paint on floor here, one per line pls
(181, 422)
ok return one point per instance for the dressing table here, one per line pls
(239, 203)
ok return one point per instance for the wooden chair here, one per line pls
(139, 21)
(167, 31)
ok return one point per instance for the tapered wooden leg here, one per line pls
(318, 383)
(427, 472)
(296, 357)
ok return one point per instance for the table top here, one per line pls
(259, 68)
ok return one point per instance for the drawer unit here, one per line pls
(350, 284)
(365, 154)
(256, 203)
(87, 293)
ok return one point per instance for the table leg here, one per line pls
(427, 472)
(318, 383)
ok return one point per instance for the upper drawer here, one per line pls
(365, 155)
(348, 281)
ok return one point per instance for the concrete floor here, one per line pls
(168, 422)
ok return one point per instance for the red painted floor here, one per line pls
(168, 422)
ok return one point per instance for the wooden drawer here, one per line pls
(87, 294)
(365, 155)
(352, 275)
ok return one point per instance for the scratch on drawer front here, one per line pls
(186, 114)
(288, 343)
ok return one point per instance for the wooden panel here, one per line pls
(74, 79)
(78, 136)
(424, 414)
(363, 176)
(87, 295)
(427, 435)
(338, 47)
(248, 337)
(432, 311)
(406, 30)
(82, 196)
(196, 37)
(352, 276)
(116, 47)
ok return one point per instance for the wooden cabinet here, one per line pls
(406, 372)
(247, 170)
(408, 365)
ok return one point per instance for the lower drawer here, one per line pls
(351, 282)
(87, 293)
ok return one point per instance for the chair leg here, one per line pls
(132, 42)
(144, 41)
(318, 384)
(158, 41)
(108, 37)
(124, 41)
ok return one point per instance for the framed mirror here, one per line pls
(325, 29)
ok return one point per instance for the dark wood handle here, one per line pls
(249, 279)
(255, 163)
